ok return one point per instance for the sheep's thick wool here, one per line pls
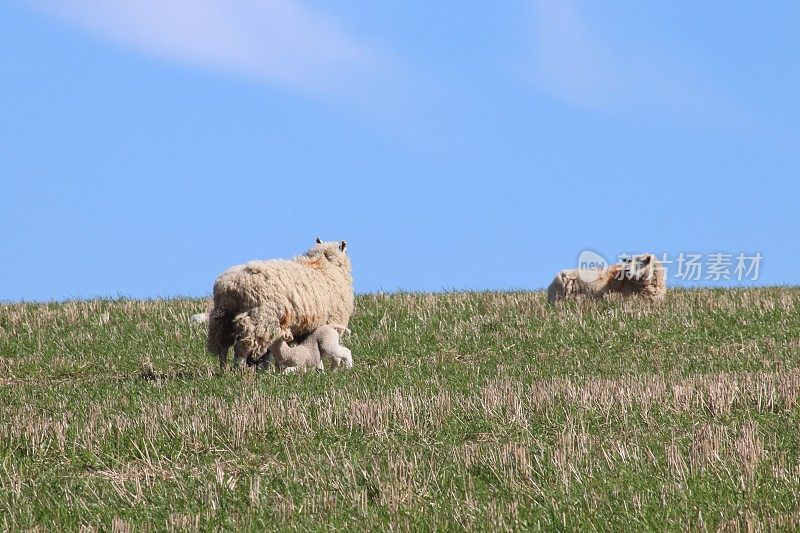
(259, 302)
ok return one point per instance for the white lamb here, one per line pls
(292, 358)
(322, 344)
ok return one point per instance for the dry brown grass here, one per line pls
(476, 411)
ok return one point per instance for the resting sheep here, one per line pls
(260, 302)
(640, 275)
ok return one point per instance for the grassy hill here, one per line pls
(476, 410)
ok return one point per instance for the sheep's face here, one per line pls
(638, 267)
(332, 252)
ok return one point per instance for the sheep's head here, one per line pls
(332, 253)
(639, 267)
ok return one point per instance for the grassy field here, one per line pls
(464, 410)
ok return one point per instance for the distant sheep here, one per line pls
(260, 302)
(639, 275)
(199, 318)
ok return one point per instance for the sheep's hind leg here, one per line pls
(223, 357)
(220, 336)
(240, 355)
(346, 356)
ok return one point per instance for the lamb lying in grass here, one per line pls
(321, 344)
(639, 275)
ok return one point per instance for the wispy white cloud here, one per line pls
(573, 63)
(282, 42)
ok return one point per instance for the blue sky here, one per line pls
(146, 146)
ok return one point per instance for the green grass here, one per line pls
(465, 410)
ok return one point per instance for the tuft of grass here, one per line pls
(464, 410)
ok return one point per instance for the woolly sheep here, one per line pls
(260, 302)
(639, 275)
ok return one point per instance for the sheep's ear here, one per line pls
(343, 246)
(319, 241)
